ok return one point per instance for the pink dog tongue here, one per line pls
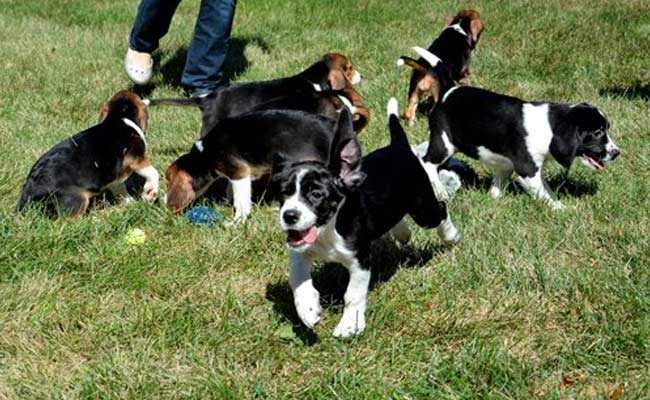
(311, 235)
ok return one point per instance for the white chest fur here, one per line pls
(331, 247)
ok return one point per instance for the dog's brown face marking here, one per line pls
(119, 100)
(475, 24)
(341, 71)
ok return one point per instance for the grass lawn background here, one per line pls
(530, 295)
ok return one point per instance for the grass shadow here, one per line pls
(331, 280)
(634, 92)
(562, 185)
(172, 69)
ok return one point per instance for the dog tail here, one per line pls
(193, 101)
(404, 60)
(397, 134)
(428, 56)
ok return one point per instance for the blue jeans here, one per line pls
(209, 47)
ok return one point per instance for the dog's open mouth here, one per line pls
(298, 238)
(593, 163)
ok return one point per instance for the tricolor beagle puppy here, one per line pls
(327, 103)
(100, 158)
(454, 46)
(332, 72)
(333, 210)
(241, 149)
(509, 134)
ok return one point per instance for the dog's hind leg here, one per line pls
(118, 190)
(241, 196)
(498, 181)
(401, 232)
(429, 213)
(73, 203)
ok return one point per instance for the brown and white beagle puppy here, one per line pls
(333, 71)
(453, 46)
(102, 157)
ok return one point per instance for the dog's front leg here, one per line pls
(241, 197)
(147, 171)
(537, 188)
(353, 321)
(305, 296)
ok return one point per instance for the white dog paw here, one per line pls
(495, 192)
(556, 205)
(150, 192)
(308, 306)
(448, 232)
(450, 181)
(352, 323)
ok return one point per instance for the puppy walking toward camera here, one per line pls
(333, 211)
(100, 158)
(454, 47)
(512, 135)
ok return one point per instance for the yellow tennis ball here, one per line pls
(135, 236)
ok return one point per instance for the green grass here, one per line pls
(529, 296)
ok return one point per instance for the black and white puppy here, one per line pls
(333, 71)
(333, 211)
(509, 134)
(102, 157)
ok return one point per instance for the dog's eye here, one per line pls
(594, 135)
(287, 191)
(316, 195)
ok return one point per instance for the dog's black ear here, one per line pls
(345, 153)
(568, 136)
(564, 148)
(279, 163)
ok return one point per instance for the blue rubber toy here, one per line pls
(204, 216)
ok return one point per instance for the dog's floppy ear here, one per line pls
(180, 192)
(476, 27)
(337, 79)
(568, 137)
(345, 154)
(279, 163)
(103, 112)
(141, 114)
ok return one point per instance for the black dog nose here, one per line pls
(614, 153)
(291, 216)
